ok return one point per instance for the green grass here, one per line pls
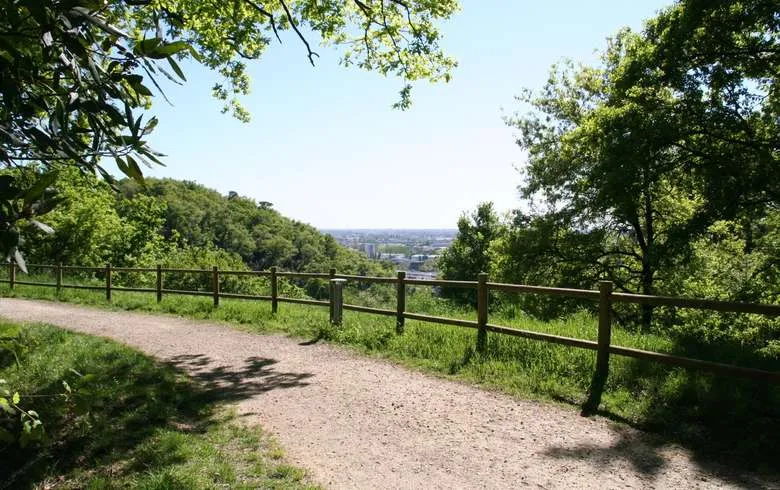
(131, 423)
(722, 420)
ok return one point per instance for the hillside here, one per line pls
(165, 218)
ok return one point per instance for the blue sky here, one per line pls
(326, 148)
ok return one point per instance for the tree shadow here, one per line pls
(125, 406)
(638, 449)
(225, 383)
(730, 426)
(644, 453)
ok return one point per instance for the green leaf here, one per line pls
(6, 406)
(43, 182)
(146, 45)
(16, 398)
(169, 49)
(155, 49)
(176, 68)
(130, 168)
(142, 89)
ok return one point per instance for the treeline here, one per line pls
(730, 260)
(180, 224)
(657, 170)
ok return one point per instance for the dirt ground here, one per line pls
(357, 422)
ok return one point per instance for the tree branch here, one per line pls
(269, 15)
(408, 14)
(392, 39)
(369, 15)
(365, 8)
(311, 53)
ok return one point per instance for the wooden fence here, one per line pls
(604, 296)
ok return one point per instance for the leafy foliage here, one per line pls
(185, 225)
(468, 254)
(74, 71)
(256, 232)
(24, 196)
(633, 162)
(69, 85)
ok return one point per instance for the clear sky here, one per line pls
(326, 148)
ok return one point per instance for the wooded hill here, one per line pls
(182, 224)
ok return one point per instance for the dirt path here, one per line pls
(356, 422)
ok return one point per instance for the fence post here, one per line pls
(159, 282)
(337, 300)
(400, 305)
(605, 328)
(602, 354)
(274, 290)
(108, 282)
(331, 276)
(11, 273)
(482, 311)
(215, 284)
(58, 276)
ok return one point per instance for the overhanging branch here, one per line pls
(267, 14)
(290, 18)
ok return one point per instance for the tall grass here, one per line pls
(721, 419)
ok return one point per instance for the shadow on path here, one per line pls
(231, 383)
(636, 448)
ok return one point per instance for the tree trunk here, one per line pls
(647, 288)
(648, 255)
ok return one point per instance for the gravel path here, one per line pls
(357, 422)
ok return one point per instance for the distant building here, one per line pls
(369, 249)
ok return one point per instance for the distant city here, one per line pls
(412, 250)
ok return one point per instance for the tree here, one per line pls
(545, 250)
(721, 58)
(468, 255)
(91, 226)
(74, 73)
(193, 215)
(676, 129)
(602, 164)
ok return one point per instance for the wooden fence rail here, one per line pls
(604, 296)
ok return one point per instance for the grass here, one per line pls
(721, 420)
(130, 423)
